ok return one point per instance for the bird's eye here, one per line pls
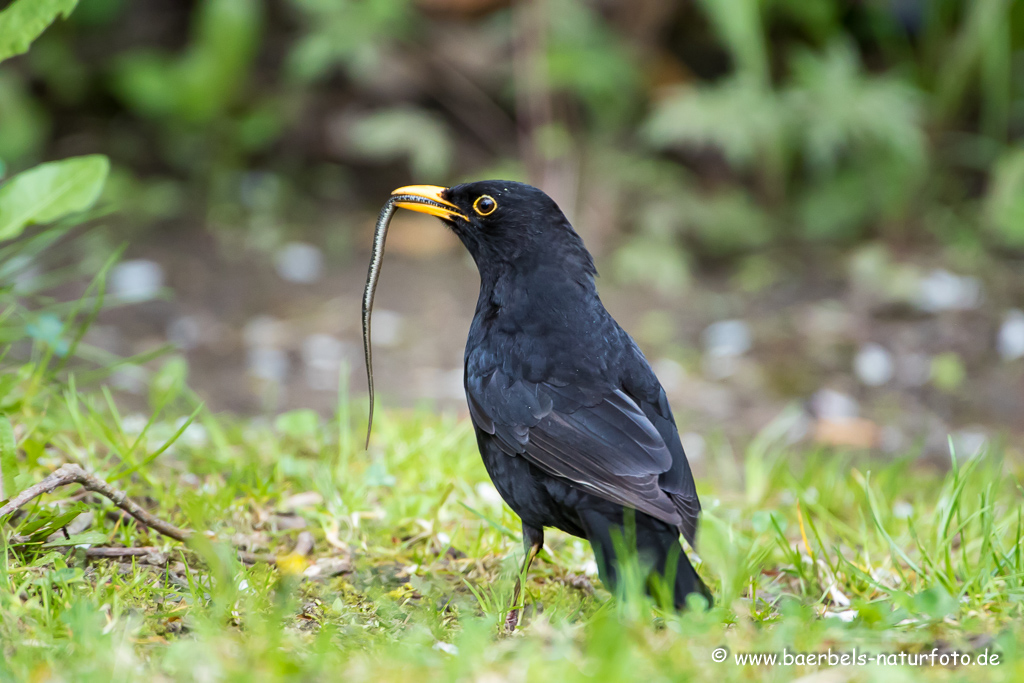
(485, 205)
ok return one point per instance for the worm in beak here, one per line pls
(427, 199)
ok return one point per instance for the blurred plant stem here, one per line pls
(550, 167)
(981, 53)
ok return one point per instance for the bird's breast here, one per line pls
(564, 347)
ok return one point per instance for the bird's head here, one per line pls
(502, 223)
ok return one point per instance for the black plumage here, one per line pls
(573, 426)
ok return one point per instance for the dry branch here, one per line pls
(122, 552)
(73, 474)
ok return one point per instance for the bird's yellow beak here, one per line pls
(427, 199)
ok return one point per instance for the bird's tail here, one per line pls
(686, 580)
(655, 543)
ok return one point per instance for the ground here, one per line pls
(888, 350)
(398, 562)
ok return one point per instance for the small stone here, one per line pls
(914, 369)
(128, 380)
(321, 349)
(321, 355)
(845, 615)
(833, 405)
(194, 435)
(902, 510)
(154, 558)
(136, 280)
(968, 443)
(263, 331)
(287, 522)
(1010, 342)
(134, 423)
(728, 338)
(185, 332)
(719, 367)
(268, 364)
(299, 501)
(891, 439)
(333, 566)
(300, 263)
(941, 290)
(873, 365)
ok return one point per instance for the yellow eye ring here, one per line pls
(485, 205)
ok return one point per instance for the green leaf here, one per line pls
(22, 21)
(839, 108)
(658, 263)
(50, 191)
(934, 602)
(739, 25)
(48, 521)
(719, 116)
(86, 538)
(8, 463)
(201, 83)
(414, 133)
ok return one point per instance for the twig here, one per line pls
(122, 552)
(146, 554)
(74, 474)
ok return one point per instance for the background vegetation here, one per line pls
(714, 127)
(683, 135)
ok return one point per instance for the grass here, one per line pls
(805, 550)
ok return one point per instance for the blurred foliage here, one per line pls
(200, 85)
(719, 127)
(38, 335)
(23, 20)
(50, 191)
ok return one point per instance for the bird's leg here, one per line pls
(533, 541)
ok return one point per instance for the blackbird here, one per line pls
(574, 428)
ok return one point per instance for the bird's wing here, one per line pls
(678, 481)
(598, 438)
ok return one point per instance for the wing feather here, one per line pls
(603, 442)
